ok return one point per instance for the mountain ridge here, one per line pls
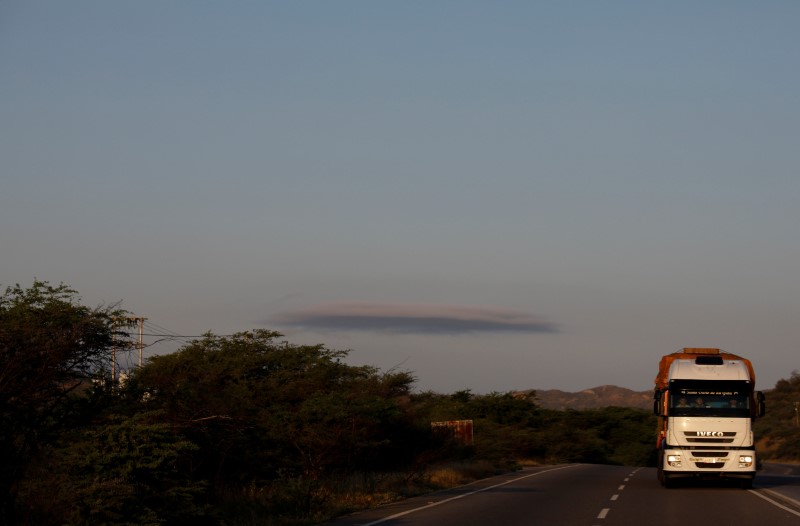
(593, 398)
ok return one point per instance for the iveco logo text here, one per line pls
(710, 434)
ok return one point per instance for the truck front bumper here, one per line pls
(709, 464)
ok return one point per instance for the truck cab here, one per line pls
(706, 404)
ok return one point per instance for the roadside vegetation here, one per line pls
(250, 429)
(779, 429)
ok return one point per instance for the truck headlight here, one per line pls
(674, 460)
(745, 461)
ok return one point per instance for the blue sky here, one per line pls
(494, 196)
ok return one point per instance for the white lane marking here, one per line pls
(433, 504)
(605, 511)
(777, 495)
(774, 503)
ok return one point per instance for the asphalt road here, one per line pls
(595, 495)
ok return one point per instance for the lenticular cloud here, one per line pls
(412, 318)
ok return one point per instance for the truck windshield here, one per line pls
(724, 399)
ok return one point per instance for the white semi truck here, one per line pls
(706, 402)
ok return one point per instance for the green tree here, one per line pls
(50, 345)
(502, 423)
(778, 431)
(119, 470)
(262, 411)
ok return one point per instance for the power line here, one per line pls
(154, 330)
(161, 330)
(158, 330)
(181, 336)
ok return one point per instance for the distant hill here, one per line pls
(594, 398)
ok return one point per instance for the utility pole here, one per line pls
(114, 355)
(796, 415)
(129, 321)
(141, 333)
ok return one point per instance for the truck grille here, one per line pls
(712, 465)
(710, 459)
(699, 437)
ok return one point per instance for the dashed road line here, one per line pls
(604, 512)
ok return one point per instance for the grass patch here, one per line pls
(370, 490)
(301, 503)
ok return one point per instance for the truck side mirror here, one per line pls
(657, 403)
(762, 405)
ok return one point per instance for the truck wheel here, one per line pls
(746, 484)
